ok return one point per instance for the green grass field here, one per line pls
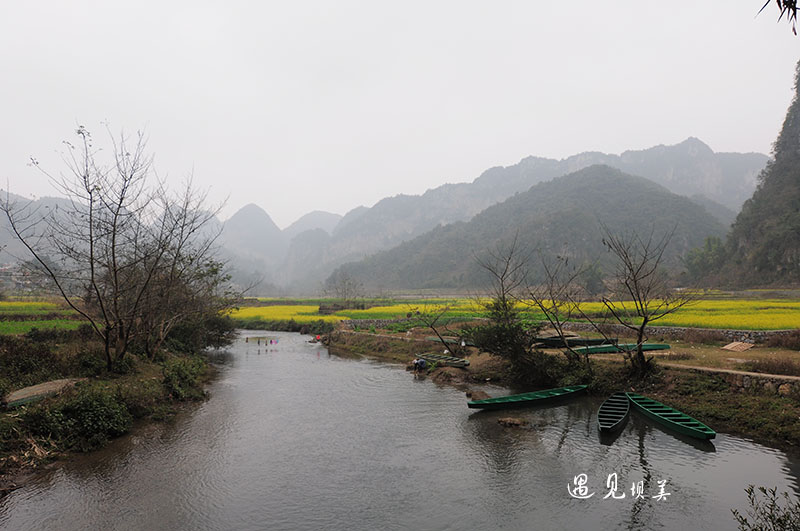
(23, 327)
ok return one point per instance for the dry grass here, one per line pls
(773, 366)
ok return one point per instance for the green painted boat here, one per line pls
(557, 342)
(451, 340)
(528, 399)
(613, 413)
(449, 361)
(622, 347)
(670, 417)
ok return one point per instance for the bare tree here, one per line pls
(506, 334)
(191, 282)
(122, 247)
(642, 289)
(435, 318)
(344, 286)
(558, 297)
(507, 266)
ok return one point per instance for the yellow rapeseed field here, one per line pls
(300, 313)
(746, 314)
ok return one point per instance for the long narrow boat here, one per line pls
(671, 417)
(557, 342)
(449, 361)
(528, 399)
(452, 341)
(622, 347)
(613, 413)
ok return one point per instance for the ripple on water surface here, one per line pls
(294, 438)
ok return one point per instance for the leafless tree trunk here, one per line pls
(643, 293)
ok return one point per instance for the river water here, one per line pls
(296, 438)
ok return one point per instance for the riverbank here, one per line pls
(756, 412)
(96, 407)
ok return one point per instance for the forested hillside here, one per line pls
(764, 245)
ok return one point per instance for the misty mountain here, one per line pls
(559, 217)
(689, 168)
(32, 211)
(250, 232)
(253, 246)
(718, 181)
(724, 215)
(317, 219)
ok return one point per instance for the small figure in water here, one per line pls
(420, 365)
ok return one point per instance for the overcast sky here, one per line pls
(300, 106)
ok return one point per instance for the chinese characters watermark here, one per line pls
(579, 489)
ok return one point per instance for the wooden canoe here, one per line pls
(613, 413)
(670, 418)
(528, 399)
(622, 347)
(451, 340)
(449, 361)
(557, 342)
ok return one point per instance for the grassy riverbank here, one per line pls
(768, 418)
(99, 407)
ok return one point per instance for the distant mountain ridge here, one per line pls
(690, 168)
(301, 257)
(559, 217)
(317, 219)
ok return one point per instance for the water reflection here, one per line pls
(294, 438)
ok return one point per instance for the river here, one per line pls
(295, 438)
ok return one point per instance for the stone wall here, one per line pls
(366, 323)
(675, 332)
(752, 382)
(667, 332)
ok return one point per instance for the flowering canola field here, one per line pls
(744, 314)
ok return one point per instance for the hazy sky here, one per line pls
(300, 106)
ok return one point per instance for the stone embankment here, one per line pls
(680, 333)
(667, 332)
(750, 381)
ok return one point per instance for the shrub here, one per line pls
(773, 366)
(143, 399)
(25, 362)
(696, 335)
(312, 328)
(94, 416)
(84, 421)
(769, 514)
(181, 377)
(790, 340)
(5, 387)
(8, 432)
(675, 356)
(91, 363)
(190, 337)
(126, 365)
(83, 332)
